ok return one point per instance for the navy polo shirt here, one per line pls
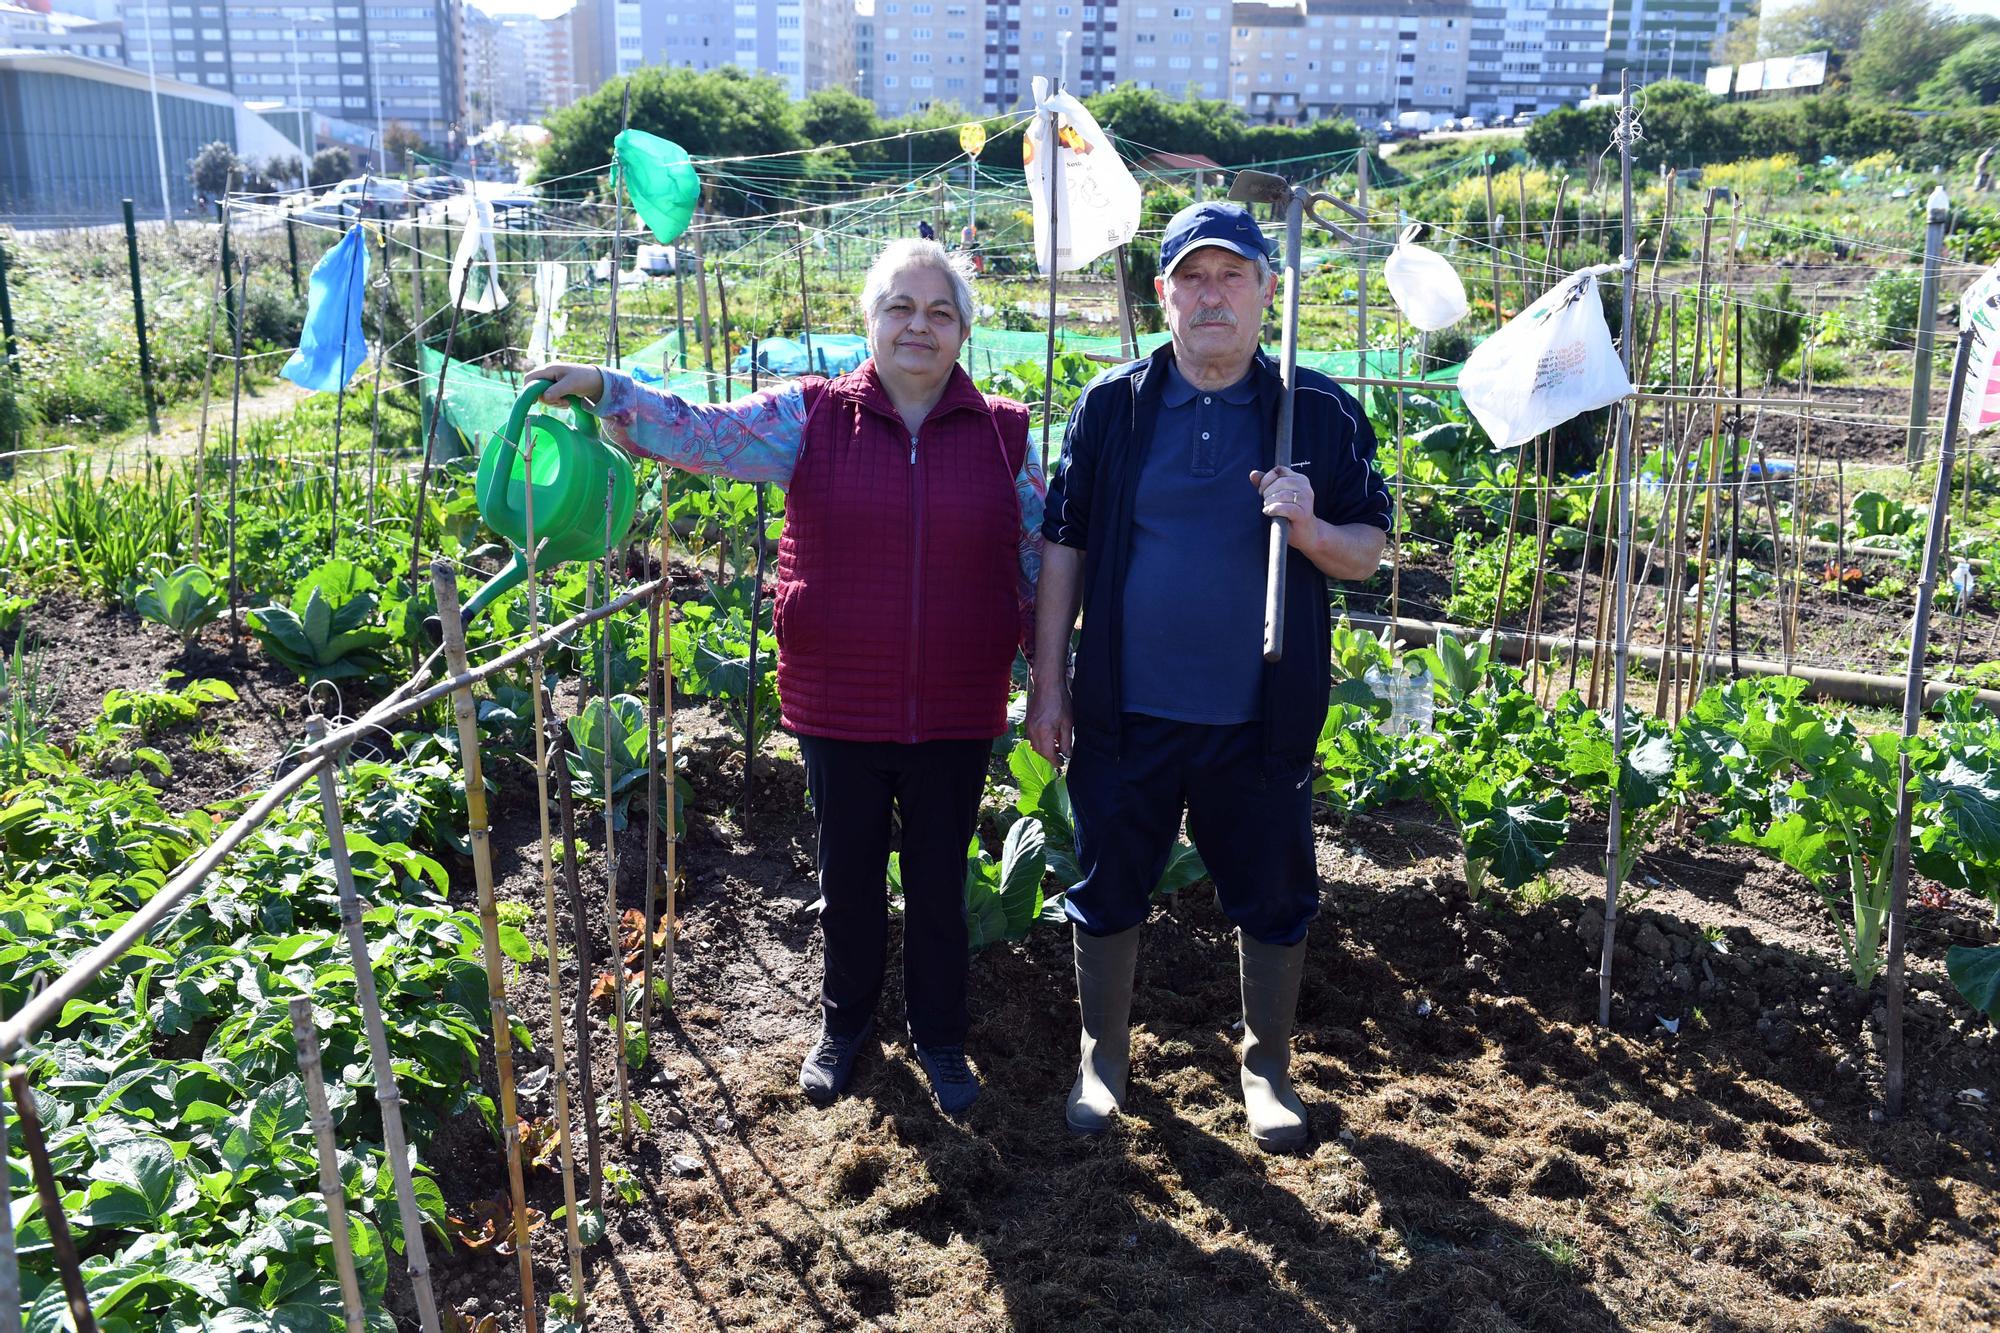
(1194, 585)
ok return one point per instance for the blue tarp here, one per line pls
(832, 354)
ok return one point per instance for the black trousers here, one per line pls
(935, 786)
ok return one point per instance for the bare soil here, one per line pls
(1484, 1157)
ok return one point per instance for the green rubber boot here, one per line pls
(1270, 975)
(1104, 968)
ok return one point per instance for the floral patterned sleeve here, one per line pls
(757, 438)
(1030, 485)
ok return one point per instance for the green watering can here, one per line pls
(571, 467)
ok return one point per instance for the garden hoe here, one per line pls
(1298, 203)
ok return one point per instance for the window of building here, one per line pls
(888, 80)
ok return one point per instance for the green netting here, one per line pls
(993, 349)
(478, 401)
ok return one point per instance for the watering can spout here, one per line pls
(496, 587)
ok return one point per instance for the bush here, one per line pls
(1892, 303)
(331, 166)
(85, 394)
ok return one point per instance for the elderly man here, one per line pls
(1157, 522)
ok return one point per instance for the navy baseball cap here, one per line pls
(1217, 223)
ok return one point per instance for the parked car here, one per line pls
(344, 202)
(437, 187)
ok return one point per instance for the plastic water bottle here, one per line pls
(1409, 696)
(1961, 583)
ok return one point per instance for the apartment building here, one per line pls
(517, 67)
(926, 51)
(1366, 59)
(368, 61)
(1665, 39)
(1535, 55)
(1181, 49)
(806, 44)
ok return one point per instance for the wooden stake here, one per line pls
(50, 1190)
(10, 1265)
(387, 1095)
(1623, 634)
(585, 971)
(1913, 707)
(235, 430)
(375, 393)
(444, 583)
(307, 1041)
(558, 1046)
(201, 432)
(617, 956)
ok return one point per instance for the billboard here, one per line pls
(1750, 77)
(1807, 71)
(1717, 79)
(1777, 73)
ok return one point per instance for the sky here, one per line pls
(541, 9)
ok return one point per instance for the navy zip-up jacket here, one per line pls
(1091, 494)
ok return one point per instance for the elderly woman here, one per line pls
(906, 581)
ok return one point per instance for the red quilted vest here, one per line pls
(897, 605)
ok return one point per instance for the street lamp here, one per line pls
(299, 100)
(159, 138)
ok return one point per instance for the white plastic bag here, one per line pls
(1425, 285)
(1551, 362)
(1100, 200)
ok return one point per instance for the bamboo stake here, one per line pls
(387, 1095)
(756, 614)
(655, 690)
(1544, 498)
(806, 312)
(1493, 240)
(1913, 707)
(201, 432)
(701, 315)
(1735, 494)
(580, 930)
(1513, 520)
(617, 955)
(1612, 849)
(558, 1046)
(50, 1190)
(444, 583)
(307, 1041)
(1583, 561)
(382, 287)
(235, 427)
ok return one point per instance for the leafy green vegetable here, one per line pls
(184, 601)
(328, 632)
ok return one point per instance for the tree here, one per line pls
(1570, 135)
(837, 116)
(1799, 28)
(1905, 45)
(1970, 77)
(720, 113)
(401, 143)
(331, 166)
(213, 167)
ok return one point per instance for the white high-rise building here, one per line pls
(806, 44)
(517, 67)
(371, 62)
(1369, 60)
(1535, 55)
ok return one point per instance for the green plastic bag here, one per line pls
(660, 180)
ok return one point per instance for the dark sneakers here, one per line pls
(952, 1079)
(823, 1077)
